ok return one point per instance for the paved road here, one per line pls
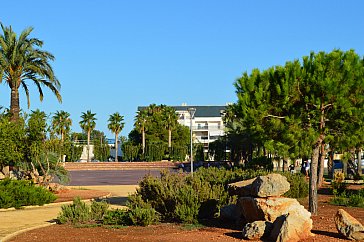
(109, 177)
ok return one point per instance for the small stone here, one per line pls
(257, 230)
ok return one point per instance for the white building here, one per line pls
(207, 123)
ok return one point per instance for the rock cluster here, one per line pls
(266, 213)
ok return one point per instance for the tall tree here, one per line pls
(88, 124)
(61, 123)
(170, 122)
(299, 108)
(115, 125)
(140, 124)
(22, 60)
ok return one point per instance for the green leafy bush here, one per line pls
(139, 213)
(349, 198)
(298, 185)
(18, 193)
(116, 217)
(186, 199)
(79, 212)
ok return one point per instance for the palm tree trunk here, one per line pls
(116, 146)
(143, 140)
(359, 162)
(14, 104)
(169, 138)
(88, 145)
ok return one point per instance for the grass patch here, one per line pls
(189, 227)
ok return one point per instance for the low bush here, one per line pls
(139, 213)
(349, 199)
(338, 184)
(298, 185)
(79, 212)
(188, 199)
(18, 193)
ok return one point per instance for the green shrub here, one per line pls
(18, 193)
(116, 217)
(79, 212)
(76, 213)
(298, 185)
(98, 210)
(349, 198)
(142, 216)
(338, 185)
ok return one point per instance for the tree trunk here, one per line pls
(321, 169)
(14, 104)
(284, 165)
(169, 138)
(143, 140)
(116, 146)
(313, 177)
(360, 171)
(88, 145)
(330, 164)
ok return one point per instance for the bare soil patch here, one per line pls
(323, 228)
(69, 194)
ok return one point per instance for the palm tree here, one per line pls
(116, 125)
(140, 124)
(170, 121)
(21, 60)
(88, 124)
(61, 123)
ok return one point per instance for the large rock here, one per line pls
(348, 226)
(272, 185)
(268, 209)
(230, 212)
(257, 230)
(241, 188)
(290, 227)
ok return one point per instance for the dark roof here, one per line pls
(201, 111)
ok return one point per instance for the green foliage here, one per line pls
(298, 185)
(159, 126)
(75, 213)
(116, 217)
(261, 162)
(130, 151)
(79, 212)
(155, 151)
(12, 141)
(98, 210)
(139, 213)
(349, 199)
(338, 184)
(14, 193)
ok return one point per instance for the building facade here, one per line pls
(207, 122)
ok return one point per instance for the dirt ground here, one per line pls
(323, 229)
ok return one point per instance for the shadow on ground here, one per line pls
(114, 200)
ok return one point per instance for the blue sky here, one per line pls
(115, 55)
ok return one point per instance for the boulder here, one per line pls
(272, 185)
(257, 230)
(290, 227)
(268, 209)
(230, 212)
(241, 188)
(348, 226)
